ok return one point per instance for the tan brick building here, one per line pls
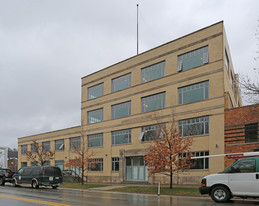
(192, 77)
(241, 130)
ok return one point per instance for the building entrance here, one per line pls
(136, 169)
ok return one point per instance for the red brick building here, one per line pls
(241, 130)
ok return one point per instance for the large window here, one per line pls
(75, 142)
(121, 110)
(95, 91)
(152, 72)
(96, 164)
(24, 149)
(95, 140)
(201, 163)
(193, 59)
(193, 93)
(151, 132)
(95, 116)
(251, 133)
(194, 126)
(121, 137)
(34, 148)
(122, 82)
(59, 145)
(60, 164)
(46, 146)
(153, 102)
(115, 164)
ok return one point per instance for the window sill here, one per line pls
(120, 144)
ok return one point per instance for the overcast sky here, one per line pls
(46, 46)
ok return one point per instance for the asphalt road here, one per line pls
(26, 196)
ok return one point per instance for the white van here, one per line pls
(241, 179)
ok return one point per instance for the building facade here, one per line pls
(191, 78)
(241, 130)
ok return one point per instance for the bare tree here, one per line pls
(39, 153)
(250, 86)
(83, 158)
(165, 156)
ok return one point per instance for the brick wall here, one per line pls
(235, 121)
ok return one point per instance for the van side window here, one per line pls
(27, 171)
(36, 171)
(244, 166)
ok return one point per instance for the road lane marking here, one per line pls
(33, 200)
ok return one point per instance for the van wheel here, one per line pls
(2, 181)
(14, 183)
(220, 194)
(34, 184)
(54, 187)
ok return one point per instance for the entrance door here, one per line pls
(136, 169)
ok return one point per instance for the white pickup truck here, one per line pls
(241, 179)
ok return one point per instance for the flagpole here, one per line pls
(137, 29)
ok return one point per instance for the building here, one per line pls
(241, 130)
(191, 77)
(8, 158)
(12, 161)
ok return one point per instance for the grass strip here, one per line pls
(189, 191)
(80, 186)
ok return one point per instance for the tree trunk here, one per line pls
(171, 178)
(82, 176)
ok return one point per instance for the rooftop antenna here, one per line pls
(137, 29)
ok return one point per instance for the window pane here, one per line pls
(95, 91)
(60, 164)
(121, 83)
(24, 149)
(251, 133)
(59, 145)
(193, 93)
(193, 59)
(121, 110)
(95, 116)
(152, 132)
(115, 164)
(97, 165)
(121, 137)
(153, 102)
(46, 146)
(75, 142)
(199, 164)
(153, 72)
(194, 126)
(226, 60)
(95, 140)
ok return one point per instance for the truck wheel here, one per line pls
(2, 182)
(54, 187)
(34, 184)
(220, 194)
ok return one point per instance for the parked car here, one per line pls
(241, 179)
(38, 176)
(5, 175)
